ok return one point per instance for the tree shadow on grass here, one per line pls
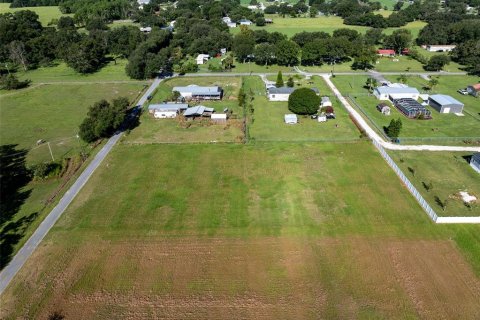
(14, 176)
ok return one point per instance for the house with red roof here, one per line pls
(386, 52)
(474, 90)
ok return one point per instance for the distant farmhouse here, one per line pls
(475, 162)
(386, 52)
(282, 93)
(167, 110)
(202, 58)
(194, 92)
(440, 48)
(445, 104)
(245, 22)
(474, 90)
(396, 91)
(229, 22)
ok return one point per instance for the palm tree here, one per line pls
(371, 83)
(432, 83)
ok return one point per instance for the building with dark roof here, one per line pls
(475, 162)
(445, 104)
(194, 92)
(411, 108)
(283, 93)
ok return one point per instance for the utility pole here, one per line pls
(51, 153)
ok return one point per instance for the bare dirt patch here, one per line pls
(259, 278)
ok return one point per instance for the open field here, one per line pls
(178, 130)
(261, 231)
(291, 26)
(442, 126)
(62, 73)
(269, 125)
(45, 14)
(448, 173)
(52, 113)
(240, 67)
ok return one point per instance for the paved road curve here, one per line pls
(7, 274)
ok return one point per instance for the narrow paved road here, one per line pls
(7, 274)
(375, 136)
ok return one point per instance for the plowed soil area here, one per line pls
(263, 278)
(291, 231)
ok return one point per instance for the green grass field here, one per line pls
(52, 113)
(112, 71)
(288, 230)
(291, 26)
(448, 173)
(178, 130)
(437, 130)
(45, 14)
(269, 125)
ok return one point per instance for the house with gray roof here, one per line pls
(283, 93)
(194, 92)
(393, 92)
(166, 110)
(445, 104)
(198, 111)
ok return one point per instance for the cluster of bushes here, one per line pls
(11, 82)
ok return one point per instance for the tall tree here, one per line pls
(287, 53)
(279, 82)
(399, 40)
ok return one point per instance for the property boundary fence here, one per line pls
(423, 203)
(379, 130)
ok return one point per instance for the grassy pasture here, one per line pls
(52, 113)
(269, 122)
(291, 26)
(251, 231)
(177, 130)
(45, 14)
(449, 173)
(442, 126)
(62, 73)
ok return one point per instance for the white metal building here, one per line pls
(291, 118)
(392, 93)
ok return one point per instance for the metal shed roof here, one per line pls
(443, 99)
(393, 90)
(168, 106)
(198, 110)
(286, 90)
(199, 90)
(476, 157)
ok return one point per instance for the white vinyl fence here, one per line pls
(423, 203)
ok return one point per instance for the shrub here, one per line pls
(303, 101)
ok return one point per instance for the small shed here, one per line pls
(291, 119)
(475, 162)
(198, 111)
(219, 117)
(383, 108)
(202, 58)
(445, 104)
(322, 118)
(325, 102)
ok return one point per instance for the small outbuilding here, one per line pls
(219, 117)
(202, 58)
(245, 22)
(322, 118)
(291, 119)
(445, 104)
(198, 111)
(440, 48)
(475, 162)
(383, 108)
(386, 52)
(325, 102)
